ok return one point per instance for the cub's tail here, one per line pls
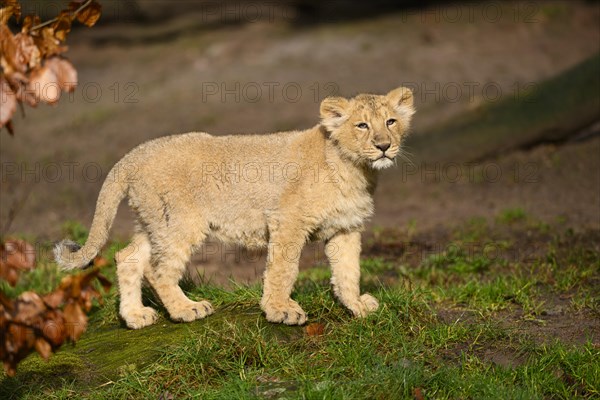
(68, 254)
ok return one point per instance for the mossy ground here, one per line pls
(508, 309)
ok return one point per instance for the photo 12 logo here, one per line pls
(488, 172)
(269, 91)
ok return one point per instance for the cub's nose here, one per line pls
(382, 146)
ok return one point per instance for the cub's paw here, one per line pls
(137, 319)
(364, 305)
(289, 313)
(192, 311)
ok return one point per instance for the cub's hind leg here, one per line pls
(164, 273)
(131, 262)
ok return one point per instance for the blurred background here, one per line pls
(507, 96)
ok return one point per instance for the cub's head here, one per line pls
(368, 129)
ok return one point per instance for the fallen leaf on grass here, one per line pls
(418, 393)
(315, 329)
(100, 262)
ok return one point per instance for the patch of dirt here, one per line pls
(503, 356)
(496, 353)
(557, 322)
(566, 327)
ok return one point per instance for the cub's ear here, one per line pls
(402, 100)
(334, 112)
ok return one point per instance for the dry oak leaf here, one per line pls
(20, 327)
(62, 25)
(314, 329)
(100, 261)
(18, 82)
(418, 393)
(47, 43)
(8, 50)
(89, 15)
(76, 320)
(28, 307)
(66, 74)
(32, 322)
(23, 323)
(43, 83)
(12, 7)
(27, 54)
(43, 348)
(19, 253)
(29, 21)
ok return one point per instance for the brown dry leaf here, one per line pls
(18, 340)
(18, 83)
(100, 261)
(65, 73)
(28, 62)
(46, 42)
(76, 321)
(70, 284)
(9, 274)
(43, 348)
(5, 302)
(28, 307)
(18, 253)
(18, 335)
(9, 128)
(12, 8)
(43, 83)
(54, 328)
(418, 393)
(314, 329)
(54, 299)
(90, 15)
(27, 54)
(31, 322)
(30, 21)
(8, 50)
(88, 294)
(8, 102)
(62, 25)
(15, 256)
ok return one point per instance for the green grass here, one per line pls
(459, 322)
(511, 215)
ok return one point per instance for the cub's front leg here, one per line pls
(343, 252)
(280, 276)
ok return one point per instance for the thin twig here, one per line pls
(53, 20)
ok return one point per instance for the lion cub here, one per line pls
(276, 191)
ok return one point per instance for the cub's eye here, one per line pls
(362, 125)
(390, 122)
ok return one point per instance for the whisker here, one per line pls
(406, 157)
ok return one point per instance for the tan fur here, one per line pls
(276, 191)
